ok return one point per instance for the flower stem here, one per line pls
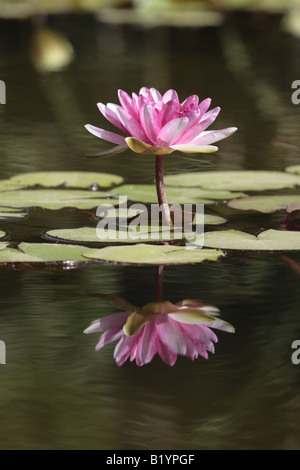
(160, 189)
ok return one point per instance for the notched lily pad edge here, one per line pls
(222, 255)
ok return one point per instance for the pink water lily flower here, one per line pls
(160, 328)
(160, 124)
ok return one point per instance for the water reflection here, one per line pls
(160, 327)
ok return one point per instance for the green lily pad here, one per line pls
(54, 198)
(146, 193)
(2, 234)
(153, 254)
(10, 215)
(270, 240)
(42, 253)
(127, 213)
(122, 234)
(235, 180)
(210, 219)
(267, 204)
(71, 179)
(9, 185)
(293, 169)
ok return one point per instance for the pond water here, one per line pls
(56, 391)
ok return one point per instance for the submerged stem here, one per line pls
(160, 189)
(158, 283)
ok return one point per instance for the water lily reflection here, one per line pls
(161, 328)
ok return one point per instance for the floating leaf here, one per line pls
(210, 219)
(71, 179)
(267, 204)
(235, 180)
(42, 253)
(54, 198)
(122, 234)
(9, 185)
(153, 254)
(10, 215)
(270, 240)
(128, 213)
(146, 193)
(2, 234)
(293, 169)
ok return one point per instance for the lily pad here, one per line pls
(122, 234)
(70, 179)
(10, 215)
(293, 169)
(42, 253)
(146, 193)
(235, 180)
(210, 219)
(125, 213)
(9, 185)
(54, 198)
(267, 204)
(270, 240)
(153, 254)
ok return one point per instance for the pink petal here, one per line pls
(111, 321)
(213, 136)
(133, 128)
(166, 355)
(146, 347)
(146, 93)
(200, 334)
(108, 337)
(170, 334)
(210, 115)
(169, 111)
(155, 95)
(170, 95)
(172, 131)
(190, 104)
(126, 103)
(204, 105)
(149, 121)
(124, 348)
(198, 128)
(105, 135)
(111, 116)
(193, 117)
(189, 148)
(141, 102)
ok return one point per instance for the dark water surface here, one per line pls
(56, 391)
